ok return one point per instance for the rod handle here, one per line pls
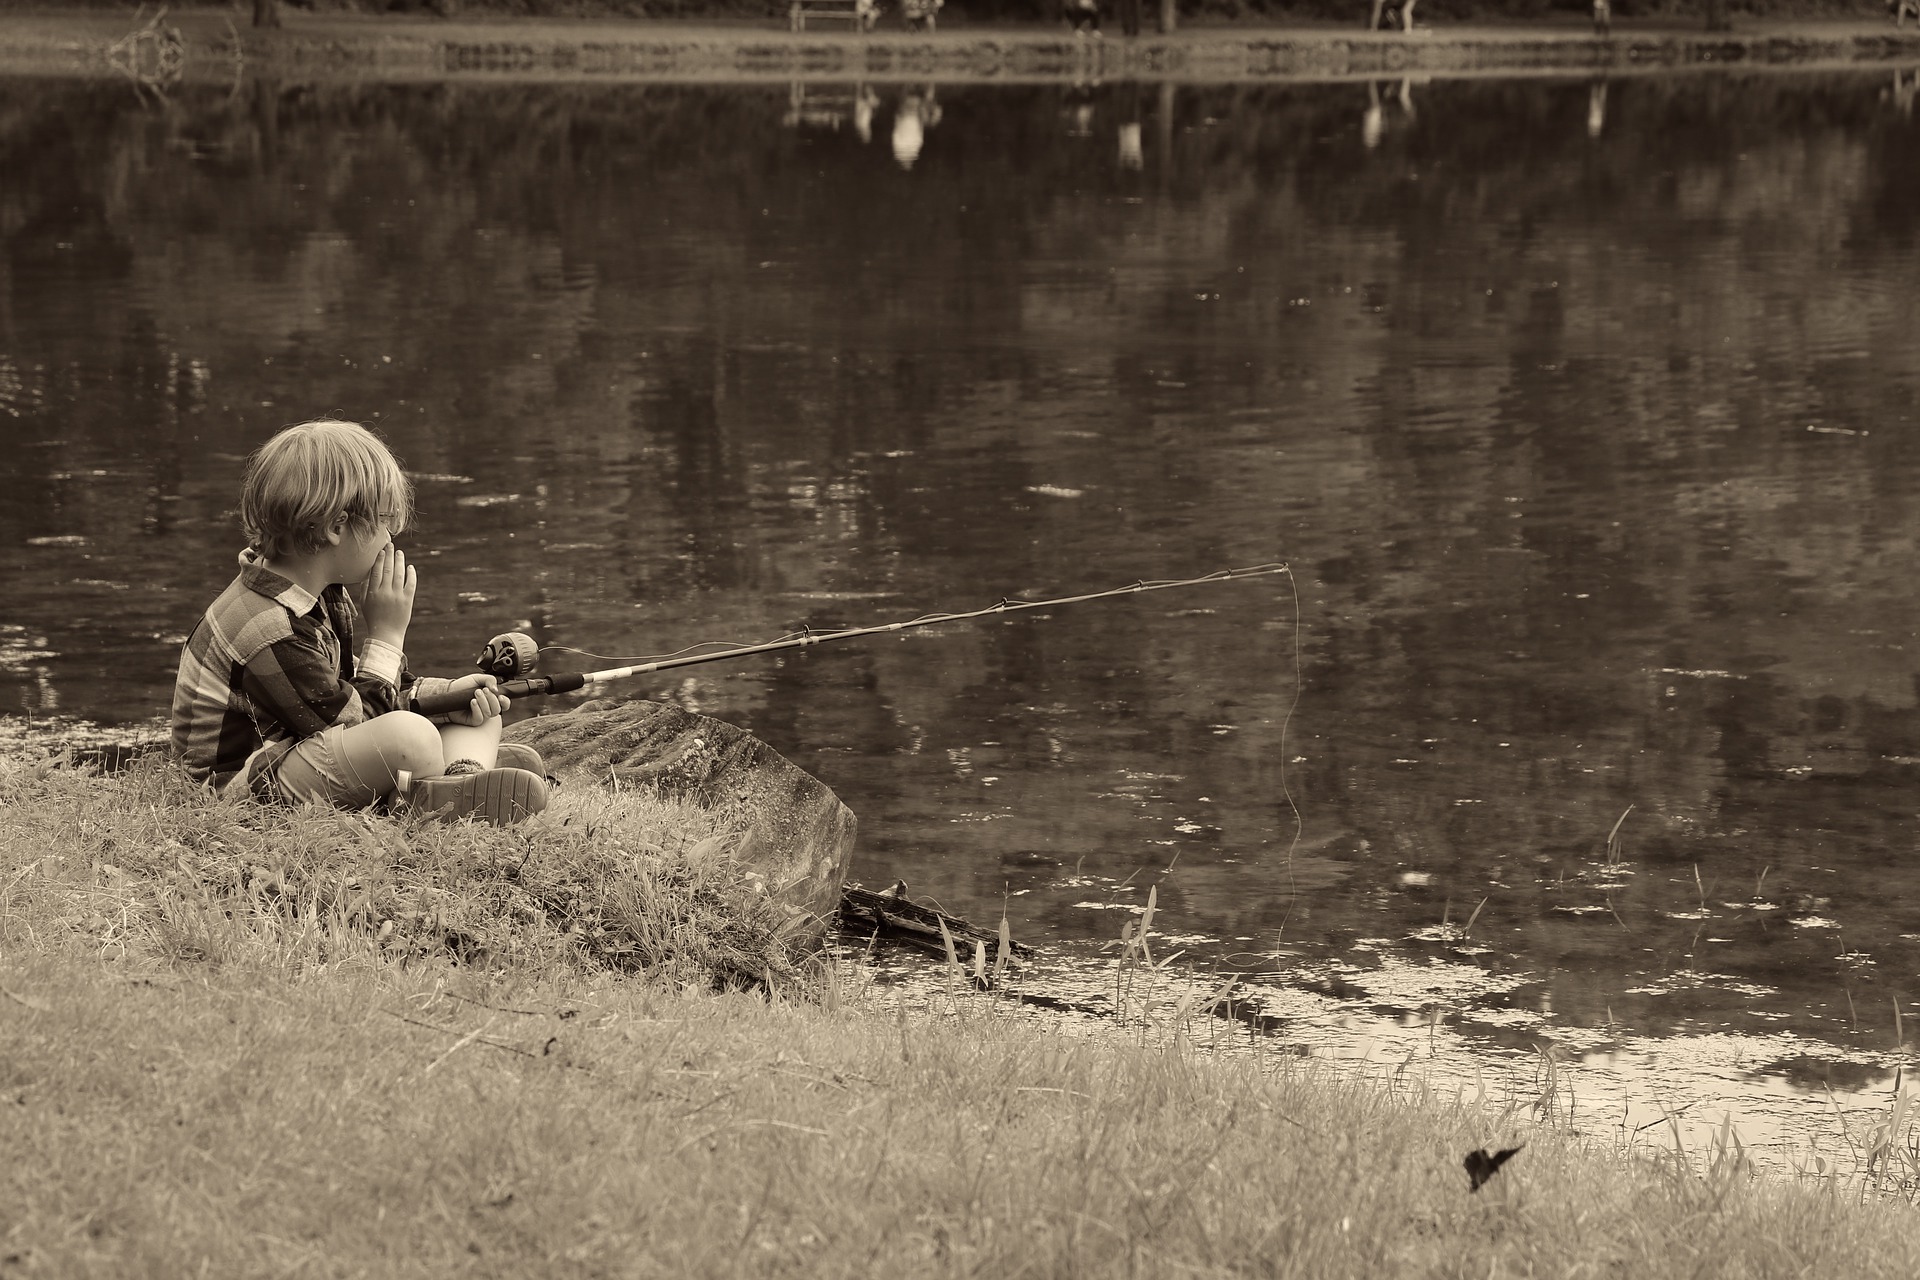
(435, 704)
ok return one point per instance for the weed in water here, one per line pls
(1615, 845)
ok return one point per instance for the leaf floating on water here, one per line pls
(1055, 491)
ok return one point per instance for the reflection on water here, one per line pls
(1373, 122)
(1585, 413)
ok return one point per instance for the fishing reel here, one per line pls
(509, 655)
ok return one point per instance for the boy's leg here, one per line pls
(479, 743)
(355, 766)
(373, 753)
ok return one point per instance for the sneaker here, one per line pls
(498, 796)
(514, 756)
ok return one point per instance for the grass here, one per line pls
(212, 1063)
(147, 863)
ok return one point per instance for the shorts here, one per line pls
(314, 771)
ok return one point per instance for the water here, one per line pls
(1585, 415)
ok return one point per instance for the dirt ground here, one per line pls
(216, 43)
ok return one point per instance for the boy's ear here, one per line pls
(337, 529)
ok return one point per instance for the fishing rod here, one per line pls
(513, 655)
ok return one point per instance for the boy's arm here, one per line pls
(294, 683)
(383, 674)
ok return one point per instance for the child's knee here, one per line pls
(408, 741)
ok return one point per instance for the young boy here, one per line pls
(271, 698)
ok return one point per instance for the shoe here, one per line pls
(498, 796)
(514, 756)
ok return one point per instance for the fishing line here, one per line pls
(717, 649)
(514, 655)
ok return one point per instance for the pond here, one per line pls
(1586, 415)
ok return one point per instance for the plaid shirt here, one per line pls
(269, 665)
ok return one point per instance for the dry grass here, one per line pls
(146, 863)
(231, 1074)
(181, 1121)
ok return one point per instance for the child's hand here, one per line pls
(487, 703)
(389, 599)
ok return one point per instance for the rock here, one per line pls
(796, 833)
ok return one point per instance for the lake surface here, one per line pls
(1587, 416)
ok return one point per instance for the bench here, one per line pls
(860, 14)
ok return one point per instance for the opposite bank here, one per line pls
(209, 45)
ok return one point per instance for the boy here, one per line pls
(271, 700)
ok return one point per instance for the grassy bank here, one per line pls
(213, 1063)
(144, 863)
(160, 52)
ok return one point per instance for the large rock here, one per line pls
(795, 832)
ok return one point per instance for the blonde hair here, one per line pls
(307, 476)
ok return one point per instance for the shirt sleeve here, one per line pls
(383, 660)
(380, 676)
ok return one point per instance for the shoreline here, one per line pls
(211, 48)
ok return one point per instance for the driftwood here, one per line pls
(890, 914)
